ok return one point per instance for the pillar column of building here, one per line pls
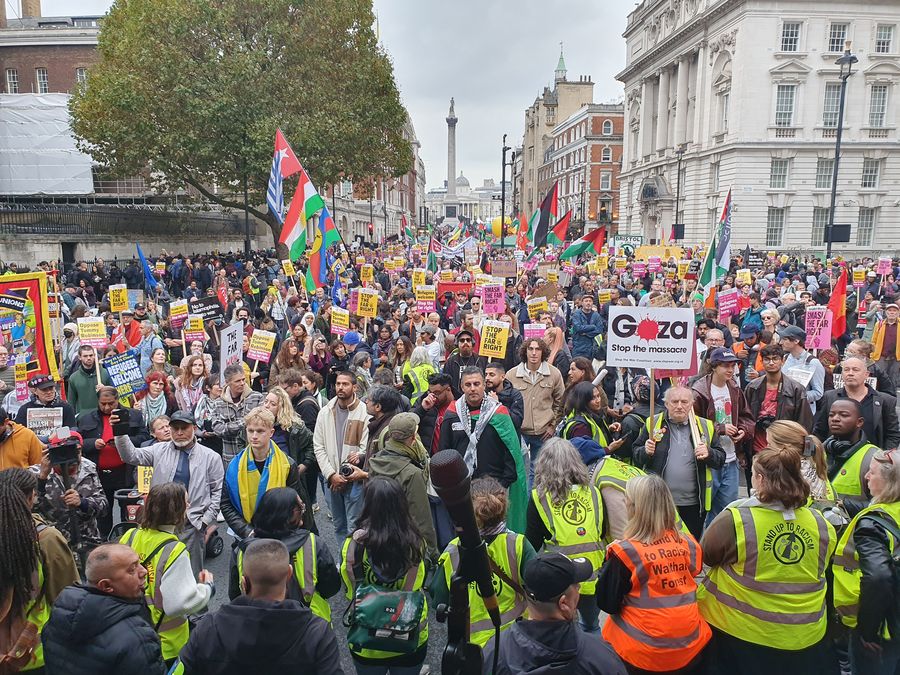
(646, 131)
(662, 112)
(681, 101)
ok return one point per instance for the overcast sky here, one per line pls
(493, 56)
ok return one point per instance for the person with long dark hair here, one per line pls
(386, 551)
(279, 515)
(583, 418)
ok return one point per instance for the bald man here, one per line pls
(104, 626)
(262, 629)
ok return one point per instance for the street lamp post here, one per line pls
(679, 153)
(503, 195)
(846, 62)
(583, 219)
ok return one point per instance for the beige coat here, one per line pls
(543, 398)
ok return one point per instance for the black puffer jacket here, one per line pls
(94, 633)
(878, 592)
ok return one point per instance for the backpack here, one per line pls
(380, 618)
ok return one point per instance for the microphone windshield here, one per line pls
(449, 475)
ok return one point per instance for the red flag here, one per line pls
(838, 306)
(221, 293)
(561, 229)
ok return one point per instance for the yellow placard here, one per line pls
(446, 275)
(621, 263)
(360, 260)
(118, 298)
(483, 280)
(261, 344)
(367, 306)
(536, 306)
(418, 278)
(144, 477)
(178, 311)
(288, 268)
(340, 321)
(161, 266)
(859, 276)
(553, 276)
(367, 273)
(784, 259)
(603, 296)
(602, 263)
(194, 324)
(494, 336)
(744, 277)
(426, 293)
(92, 331)
(683, 267)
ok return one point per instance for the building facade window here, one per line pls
(12, 81)
(824, 173)
(724, 101)
(831, 107)
(607, 127)
(778, 174)
(878, 100)
(81, 75)
(870, 173)
(884, 39)
(714, 177)
(820, 222)
(605, 180)
(784, 105)
(865, 229)
(42, 80)
(775, 227)
(790, 36)
(606, 155)
(837, 36)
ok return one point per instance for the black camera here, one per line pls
(64, 447)
(764, 422)
(346, 469)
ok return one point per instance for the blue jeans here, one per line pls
(726, 482)
(345, 509)
(865, 662)
(589, 614)
(535, 443)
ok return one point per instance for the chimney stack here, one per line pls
(31, 9)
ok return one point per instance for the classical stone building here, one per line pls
(748, 91)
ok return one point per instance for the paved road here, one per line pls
(220, 566)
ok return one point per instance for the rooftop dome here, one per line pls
(462, 181)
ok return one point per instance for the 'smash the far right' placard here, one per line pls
(650, 337)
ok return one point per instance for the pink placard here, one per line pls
(653, 264)
(639, 269)
(818, 328)
(534, 330)
(493, 299)
(884, 266)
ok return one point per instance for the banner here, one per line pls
(208, 308)
(193, 330)
(534, 330)
(818, 327)
(642, 337)
(125, 373)
(367, 303)
(426, 296)
(627, 244)
(25, 321)
(340, 321)
(493, 299)
(92, 331)
(231, 340)
(494, 336)
(178, 313)
(261, 344)
(118, 298)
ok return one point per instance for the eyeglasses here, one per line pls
(888, 458)
(772, 359)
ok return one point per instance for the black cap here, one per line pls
(182, 417)
(549, 575)
(41, 382)
(464, 331)
(721, 355)
(139, 307)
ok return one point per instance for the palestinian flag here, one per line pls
(558, 234)
(591, 244)
(549, 207)
(434, 247)
(407, 231)
(306, 203)
(502, 425)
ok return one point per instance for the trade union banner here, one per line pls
(25, 322)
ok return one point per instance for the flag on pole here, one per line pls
(838, 306)
(707, 279)
(284, 164)
(549, 207)
(148, 274)
(304, 205)
(560, 230)
(591, 244)
(434, 248)
(407, 231)
(521, 229)
(326, 235)
(723, 244)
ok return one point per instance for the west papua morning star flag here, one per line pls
(284, 164)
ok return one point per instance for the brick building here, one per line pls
(584, 154)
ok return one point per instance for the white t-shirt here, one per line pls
(722, 400)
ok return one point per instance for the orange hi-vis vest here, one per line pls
(659, 626)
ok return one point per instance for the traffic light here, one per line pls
(372, 231)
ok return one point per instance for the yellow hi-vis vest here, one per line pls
(707, 430)
(306, 573)
(597, 434)
(173, 630)
(37, 612)
(506, 552)
(850, 480)
(774, 595)
(575, 526)
(418, 377)
(845, 565)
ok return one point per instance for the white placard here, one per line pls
(650, 337)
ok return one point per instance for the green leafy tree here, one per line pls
(194, 90)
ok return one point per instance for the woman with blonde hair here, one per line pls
(565, 515)
(644, 598)
(786, 434)
(770, 319)
(765, 591)
(556, 340)
(865, 593)
(189, 385)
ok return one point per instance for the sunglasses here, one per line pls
(888, 457)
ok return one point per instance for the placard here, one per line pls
(193, 329)
(885, 265)
(340, 321)
(418, 278)
(536, 306)
(118, 298)
(144, 478)
(504, 268)
(446, 275)
(604, 296)
(650, 337)
(493, 299)
(744, 277)
(494, 336)
(92, 331)
(353, 300)
(621, 264)
(207, 307)
(125, 373)
(859, 277)
(135, 297)
(21, 375)
(261, 344)
(683, 267)
(288, 268)
(534, 330)
(44, 421)
(639, 269)
(425, 298)
(160, 266)
(662, 300)
(360, 260)
(653, 264)
(367, 303)
(178, 313)
(231, 339)
(367, 273)
(553, 276)
(818, 327)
